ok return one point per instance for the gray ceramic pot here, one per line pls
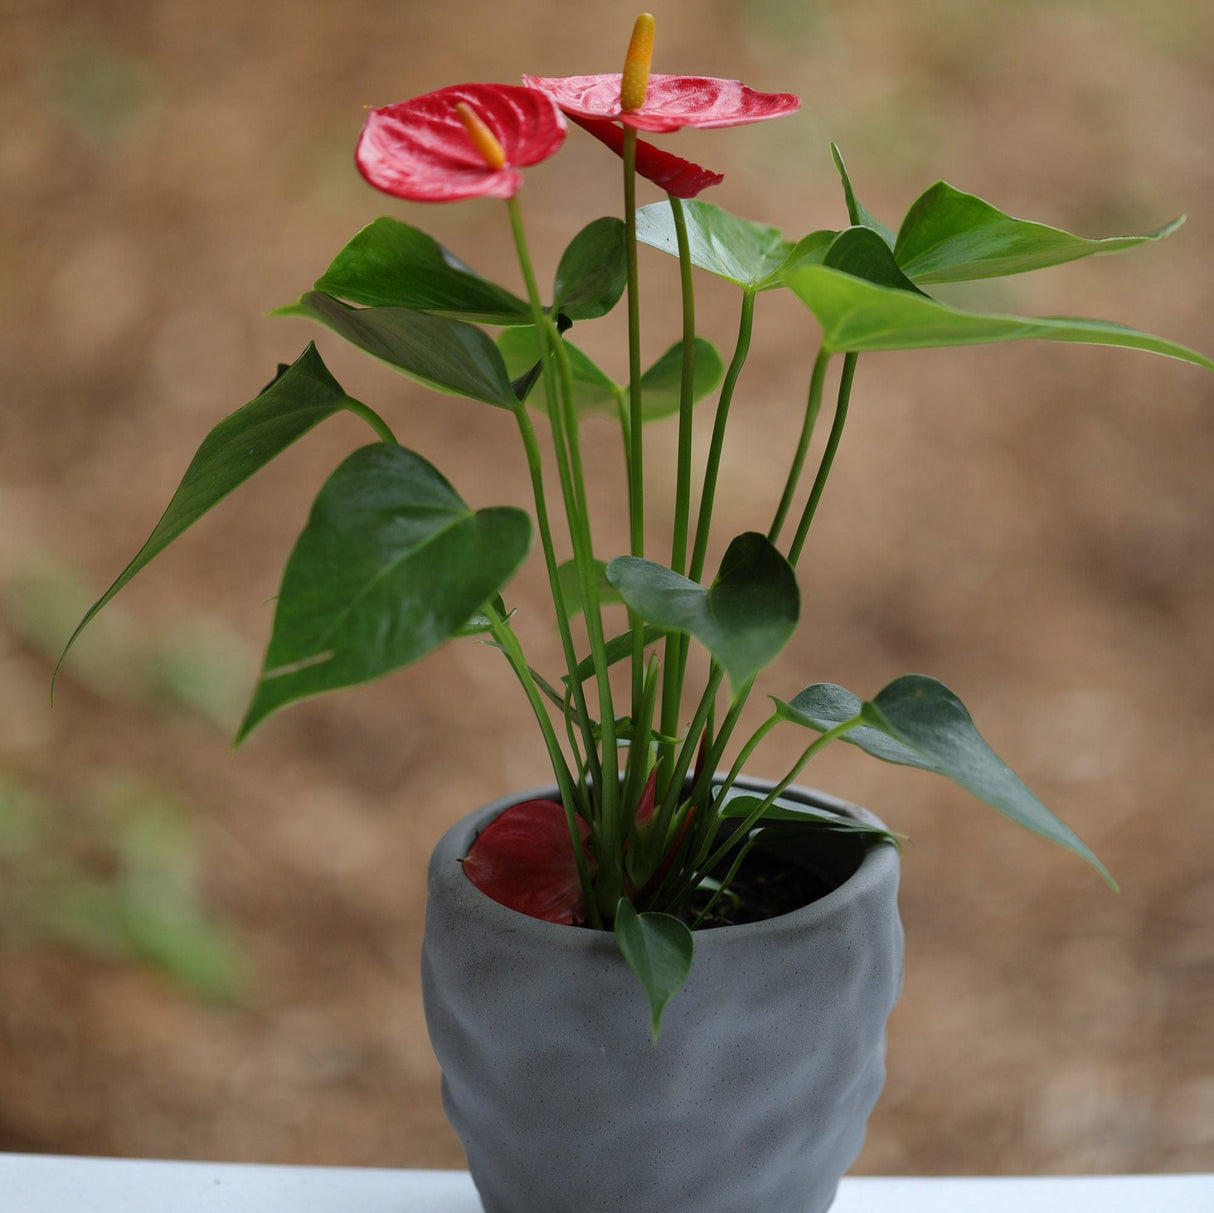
(756, 1093)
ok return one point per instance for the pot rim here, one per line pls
(879, 864)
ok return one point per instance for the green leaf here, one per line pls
(593, 270)
(810, 250)
(857, 315)
(658, 949)
(571, 589)
(748, 254)
(949, 236)
(931, 728)
(661, 385)
(390, 264)
(744, 618)
(300, 397)
(856, 210)
(447, 355)
(391, 564)
(617, 649)
(593, 390)
(861, 252)
(789, 812)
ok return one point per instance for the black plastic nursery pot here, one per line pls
(755, 1094)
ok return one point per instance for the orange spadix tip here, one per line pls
(483, 139)
(635, 81)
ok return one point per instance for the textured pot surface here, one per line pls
(754, 1096)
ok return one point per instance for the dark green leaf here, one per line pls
(391, 564)
(948, 236)
(746, 253)
(861, 252)
(617, 649)
(390, 264)
(593, 270)
(298, 398)
(447, 355)
(856, 210)
(858, 315)
(823, 706)
(658, 949)
(744, 618)
(738, 808)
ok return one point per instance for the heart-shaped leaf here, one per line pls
(857, 212)
(300, 397)
(658, 949)
(390, 264)
(857, 315)
(390, 565)
(861, 252)
(918, 721)
(746, 253)
(593, 270)
(447, 355)
(743, 619)
(950, 236)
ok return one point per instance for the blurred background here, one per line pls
(213, 954)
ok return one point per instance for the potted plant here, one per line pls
(657, 941)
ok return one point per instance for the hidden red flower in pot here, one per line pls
(524, 859)
(463, 141)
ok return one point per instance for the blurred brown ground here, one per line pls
(1030, 523)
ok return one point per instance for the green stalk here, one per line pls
(713, 465)
(676, 644)
(828, 458)
(372, 418)
(569, 465)
(504, 634)
(812, 406)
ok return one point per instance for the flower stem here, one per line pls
(812, 406)
(828, 458)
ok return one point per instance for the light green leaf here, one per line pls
(391, 564)
(593, 271)
(662, 383)
(856, 315)
(949, 236)
(447, 355)
(744, 618)
(746, 253)
(593, 390)
(658, 949)
(390, 264)
(571, 589)
(300, 397)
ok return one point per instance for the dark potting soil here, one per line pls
(765, 886)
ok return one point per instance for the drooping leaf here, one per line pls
(593, 270)
(857, 212)
(950, 236)
(391, 564)
(746, 253)
(524, 859)
(390, 264)
(744, 618)
(857, 315)
(447, 355)
(299, 397)
(929, 727)
(658, 949)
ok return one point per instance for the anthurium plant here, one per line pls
(647, 832)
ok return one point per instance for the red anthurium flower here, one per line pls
(672, 173)
(671, 102)
(433, 149)
(524, 859)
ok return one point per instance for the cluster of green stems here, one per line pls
(681, 844)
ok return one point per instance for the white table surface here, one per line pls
(44, 1183)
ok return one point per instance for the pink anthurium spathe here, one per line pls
(672, 173)
(524, 859)
(428, 149)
